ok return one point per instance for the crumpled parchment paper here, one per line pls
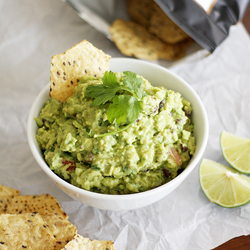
(31, 33)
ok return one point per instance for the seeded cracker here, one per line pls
(140, 11)
(81, 243)
(150, 15)
(67, 68)
(4, 202)
(43, 204)
(25, 231)
(133, 39)
(50, 211)
(164, 28)
(62, 230)
(6, 191)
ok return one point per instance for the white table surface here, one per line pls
(31, 32)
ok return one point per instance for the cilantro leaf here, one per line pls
(134, 83)
(124, 109)
(133, 110)
(117, 110)
(106, 91)
(109, 79)
(101, 93)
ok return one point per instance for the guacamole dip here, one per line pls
(85, 145)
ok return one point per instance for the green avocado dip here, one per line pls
(117, 134)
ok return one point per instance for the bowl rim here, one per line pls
(121, 197)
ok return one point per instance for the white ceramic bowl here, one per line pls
(158, 76)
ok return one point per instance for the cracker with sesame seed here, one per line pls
(140, 11)
(150, 15)
(132, 39)
(44, 204)
(81, 243)
(67, 68)
(25, 231)
(163, 27)
(62, 230)
(48, 208)
(6, 191)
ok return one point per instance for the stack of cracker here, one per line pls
(37, 222)
(32, 221)
(150, 34)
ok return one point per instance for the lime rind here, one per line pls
(237, 154)
(223, 185)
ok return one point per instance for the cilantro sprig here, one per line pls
(125, 100)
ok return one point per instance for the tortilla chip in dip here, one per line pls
(67, 68)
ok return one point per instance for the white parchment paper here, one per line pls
(31, 32)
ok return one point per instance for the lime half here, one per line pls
(223, 185)
(236, 151)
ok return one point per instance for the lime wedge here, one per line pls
(236, 151)
(223, 185)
